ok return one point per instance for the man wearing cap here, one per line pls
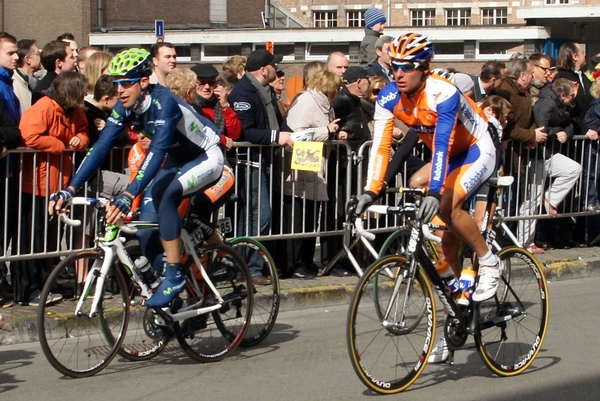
(278, 86)
(255, 105)
(374, 24)
(211, 102)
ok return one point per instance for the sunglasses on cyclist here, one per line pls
(126, 83)
(404, 67)
(376, 91)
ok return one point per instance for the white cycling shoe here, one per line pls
(440, 352)
(489, 280)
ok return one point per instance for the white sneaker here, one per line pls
(489, 279)
(440, 353)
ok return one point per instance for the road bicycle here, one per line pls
(391, 321)
(84, 332)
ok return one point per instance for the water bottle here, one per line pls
(467, 280)
(447, 275)
(147, 272)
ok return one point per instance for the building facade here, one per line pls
(304, 30)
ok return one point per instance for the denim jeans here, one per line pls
(255, 212)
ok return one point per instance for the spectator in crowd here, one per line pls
(68, 37)
(347, 105)
(305, 190)
(489, 79)
(337, 63)
(541, 74)
(381, 66)
(8, 165)
(82, 56)
(521, 129)
(10, 138)
(164, 60)
(278, 87)
(546, 162)
(57, 57)
(312, 68)
(354, 125)
(570, 63)
(256, 107)
(52, 125)
(211, 101)
(553, 70)
(235, 65)
(374, 24)
(28, 63)
(592, 121)
(8, 64)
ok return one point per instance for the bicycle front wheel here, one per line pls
(396, 243)
(389, 336)
(266, 298)
(81, 342)
(512, 324)
(211, 337)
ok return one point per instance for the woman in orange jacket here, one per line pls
(55, 123)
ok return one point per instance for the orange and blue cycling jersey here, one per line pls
(448, 123)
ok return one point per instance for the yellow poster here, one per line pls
(307, 156)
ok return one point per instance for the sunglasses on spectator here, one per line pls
(126, 83)
(546, 69)
(209, 82)
(376, 91)
(404, 67)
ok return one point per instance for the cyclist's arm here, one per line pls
(382, 143)
(443, 138)
(96, 154)
(402, 153)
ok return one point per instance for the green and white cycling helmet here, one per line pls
(131, 63)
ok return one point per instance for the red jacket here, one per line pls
(45, 126)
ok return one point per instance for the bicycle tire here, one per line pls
(79, 345)
(144, 338)
(266, 298)
(396, 243)
(388, 362)
(512, 326)
(211, 337)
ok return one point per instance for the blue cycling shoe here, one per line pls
(169, 288)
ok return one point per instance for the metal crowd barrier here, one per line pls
(344, 174)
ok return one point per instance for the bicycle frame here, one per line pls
(112, 245)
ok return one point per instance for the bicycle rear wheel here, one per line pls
(266, 298)
(389, 339)
(211, 337)
(144, 338)
(512, 324)
(82, 344)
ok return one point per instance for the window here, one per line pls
(422, 17)
(325, 19)
(557, 1)
(493, 16)
(458, 16)
(355, 19)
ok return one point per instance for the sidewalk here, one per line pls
(19, 322)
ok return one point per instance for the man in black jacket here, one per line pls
(255, 105)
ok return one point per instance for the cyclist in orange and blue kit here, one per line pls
(456, 131)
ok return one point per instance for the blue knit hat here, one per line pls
(373, 16)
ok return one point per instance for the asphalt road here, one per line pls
(305, 358)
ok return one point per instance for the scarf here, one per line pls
(265, 94)
(212, 103)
